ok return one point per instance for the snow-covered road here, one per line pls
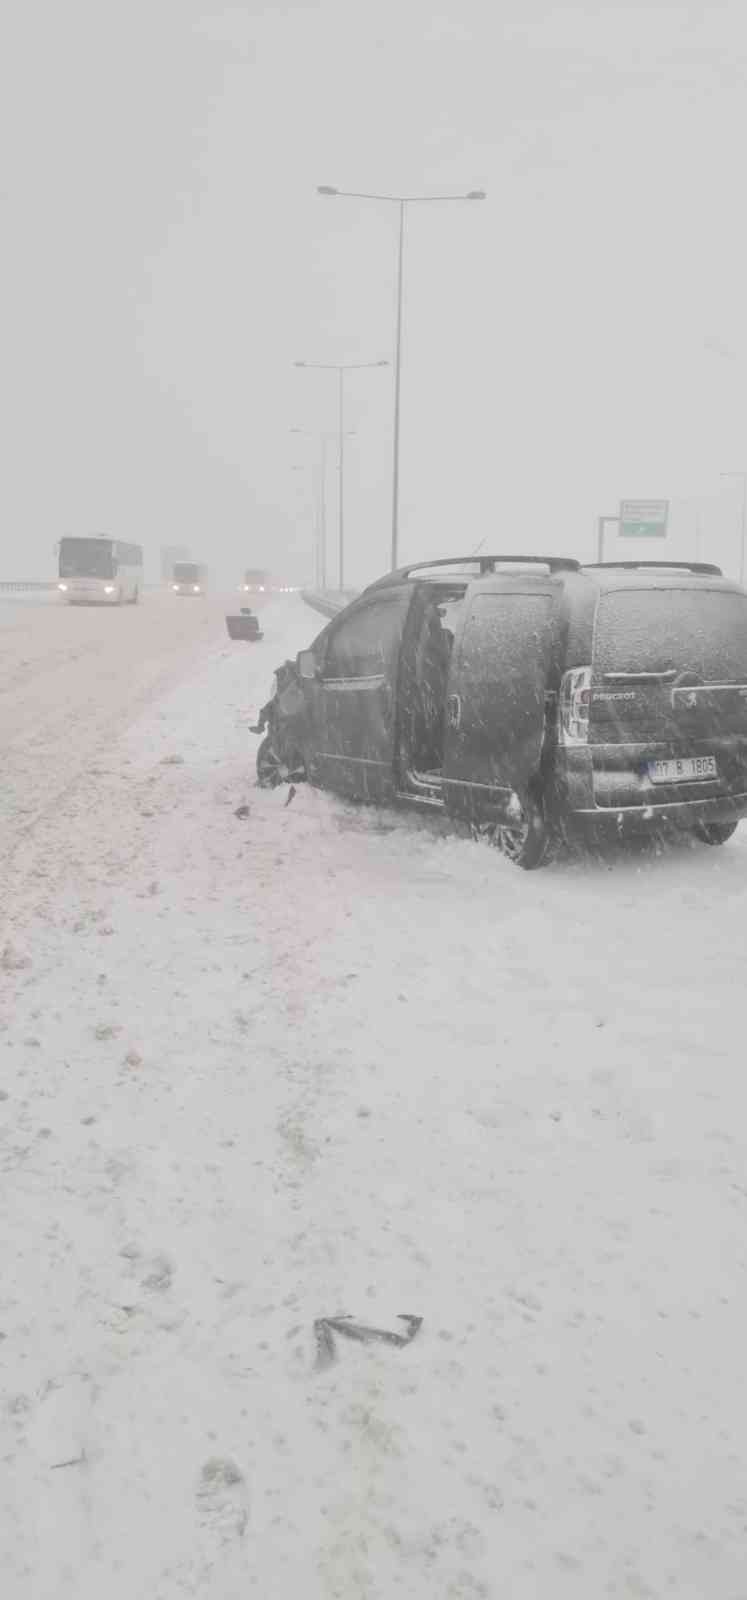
(319, 1060)
(72, 677)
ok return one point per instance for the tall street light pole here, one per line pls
(323, 513)
(324, 439)
(341, 458)
(341, 368)
(742, 476)
(320, 553)
(298, 470)
(401, 201)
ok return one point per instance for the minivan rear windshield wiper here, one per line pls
(640, 677)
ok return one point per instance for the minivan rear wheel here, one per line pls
(525, 843)
(714, 832)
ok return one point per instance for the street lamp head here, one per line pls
(325, 188)
(477, 194)
(299, 363)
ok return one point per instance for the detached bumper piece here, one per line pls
(245, 626)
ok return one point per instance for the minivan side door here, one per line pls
(502, 670)
(353, 725)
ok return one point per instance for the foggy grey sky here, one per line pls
(580, 336)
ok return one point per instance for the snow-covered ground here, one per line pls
(72, 677)
(256, 1071)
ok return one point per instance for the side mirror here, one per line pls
(307, 667)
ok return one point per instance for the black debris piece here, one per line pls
(326, 1327)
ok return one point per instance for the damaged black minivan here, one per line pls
(530, 696)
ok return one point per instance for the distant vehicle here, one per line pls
(255, 581)
(170, 553)
(189, 577)
(530, 697)
(98, 569)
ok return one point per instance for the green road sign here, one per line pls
(643, 519)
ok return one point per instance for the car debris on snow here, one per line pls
(326, 1327)
(75, 1461)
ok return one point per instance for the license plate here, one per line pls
(683, 769)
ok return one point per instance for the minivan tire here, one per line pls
(714, 832)
(271, 771)
(527, 845)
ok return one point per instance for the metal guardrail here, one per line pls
(19, 585)
(327, 601)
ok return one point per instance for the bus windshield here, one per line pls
(186, 572)
(86, 558)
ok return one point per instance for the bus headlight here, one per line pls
(108, 588)
(63, 587)
(196, 588)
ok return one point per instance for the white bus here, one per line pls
(99, 569)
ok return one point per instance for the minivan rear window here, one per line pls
(702, 631)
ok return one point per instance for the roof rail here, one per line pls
(705, 569)
(487, 564)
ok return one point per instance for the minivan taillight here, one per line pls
(575, 699)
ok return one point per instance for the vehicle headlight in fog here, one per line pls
(261, 588)
(175, 588)
(63, 587)
(108, 588)
(196, 588)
